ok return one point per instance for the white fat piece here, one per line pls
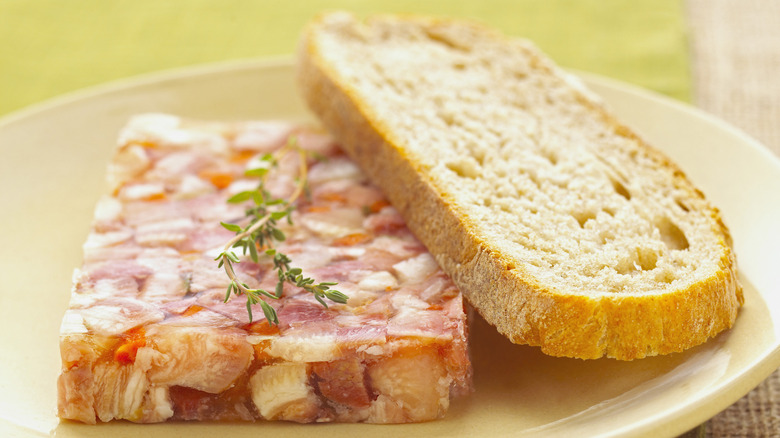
(192, 186)
(169, 232)
(128, 163)
(103, 240)
(205, 359)
(338, 222)
(141, 191)
(278, 386)
(108, 209)
(117, 315)
(166, 131)
(72, 324)
(314, 348)
(263, 136)
(416, 269)
(334, 169)
(119, 391)
(378, 281)
(418, 384)
(161, 408)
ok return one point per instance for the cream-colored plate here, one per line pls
(52, 168)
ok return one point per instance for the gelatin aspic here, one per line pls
(148, 338)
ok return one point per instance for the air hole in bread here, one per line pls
(459, 65)
(441, 36)
(550, 156)
(447, 116)
(583, 216)
(647, 260)
(664, 276)
(606, 234)
(620, 189)
(478, 154)
(643, 259)
(682, 205)
(534, 178)
(671, 234)
(465, 167)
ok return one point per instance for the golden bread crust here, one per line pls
(521, 306)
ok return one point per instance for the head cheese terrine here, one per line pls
(148, 336)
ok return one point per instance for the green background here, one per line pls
(50, 47)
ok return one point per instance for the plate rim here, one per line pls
(692, 414)
(288, 60)
(142, 79)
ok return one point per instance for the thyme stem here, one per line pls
(262, 232)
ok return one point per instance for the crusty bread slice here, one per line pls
(561, 226)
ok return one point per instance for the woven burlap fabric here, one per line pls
(735, 49)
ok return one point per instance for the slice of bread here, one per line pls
(560, 225)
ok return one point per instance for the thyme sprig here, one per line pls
(261, 232)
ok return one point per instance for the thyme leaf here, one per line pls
(261, 232)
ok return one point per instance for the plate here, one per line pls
(53, 163)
